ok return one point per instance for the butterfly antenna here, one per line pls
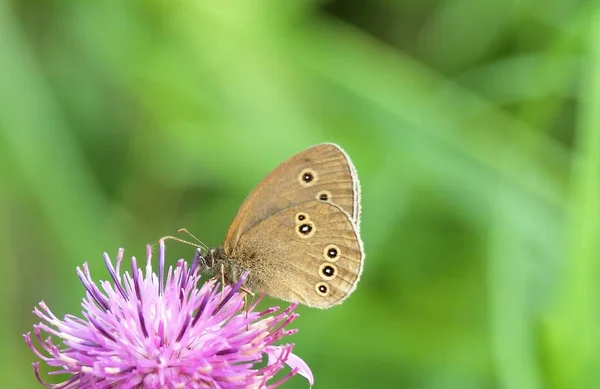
(169, 237)
(185, 231)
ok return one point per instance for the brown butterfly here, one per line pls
(297, 232)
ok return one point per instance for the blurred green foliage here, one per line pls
(474, 125)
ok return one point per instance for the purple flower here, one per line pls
(139, 331)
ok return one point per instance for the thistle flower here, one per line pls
(139, 331)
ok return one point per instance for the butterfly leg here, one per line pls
(246, 294)
(246, 305)
(222, 271)
(246, 291)
(222, 276)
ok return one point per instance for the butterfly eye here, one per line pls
(324, 195)
(307, 177)
(322, 289)
(328, 271)
(331, 253)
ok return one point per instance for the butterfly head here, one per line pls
(216, 262)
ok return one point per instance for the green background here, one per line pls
(474, 126)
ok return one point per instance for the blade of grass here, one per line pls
(42, 153)
(439, 109)
(572, 327)
(511, 270)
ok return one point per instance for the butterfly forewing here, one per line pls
(323, 173)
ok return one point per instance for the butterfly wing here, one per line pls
(309, 253)
(322, 172)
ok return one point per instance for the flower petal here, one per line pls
(293, 361)
(164, 329)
